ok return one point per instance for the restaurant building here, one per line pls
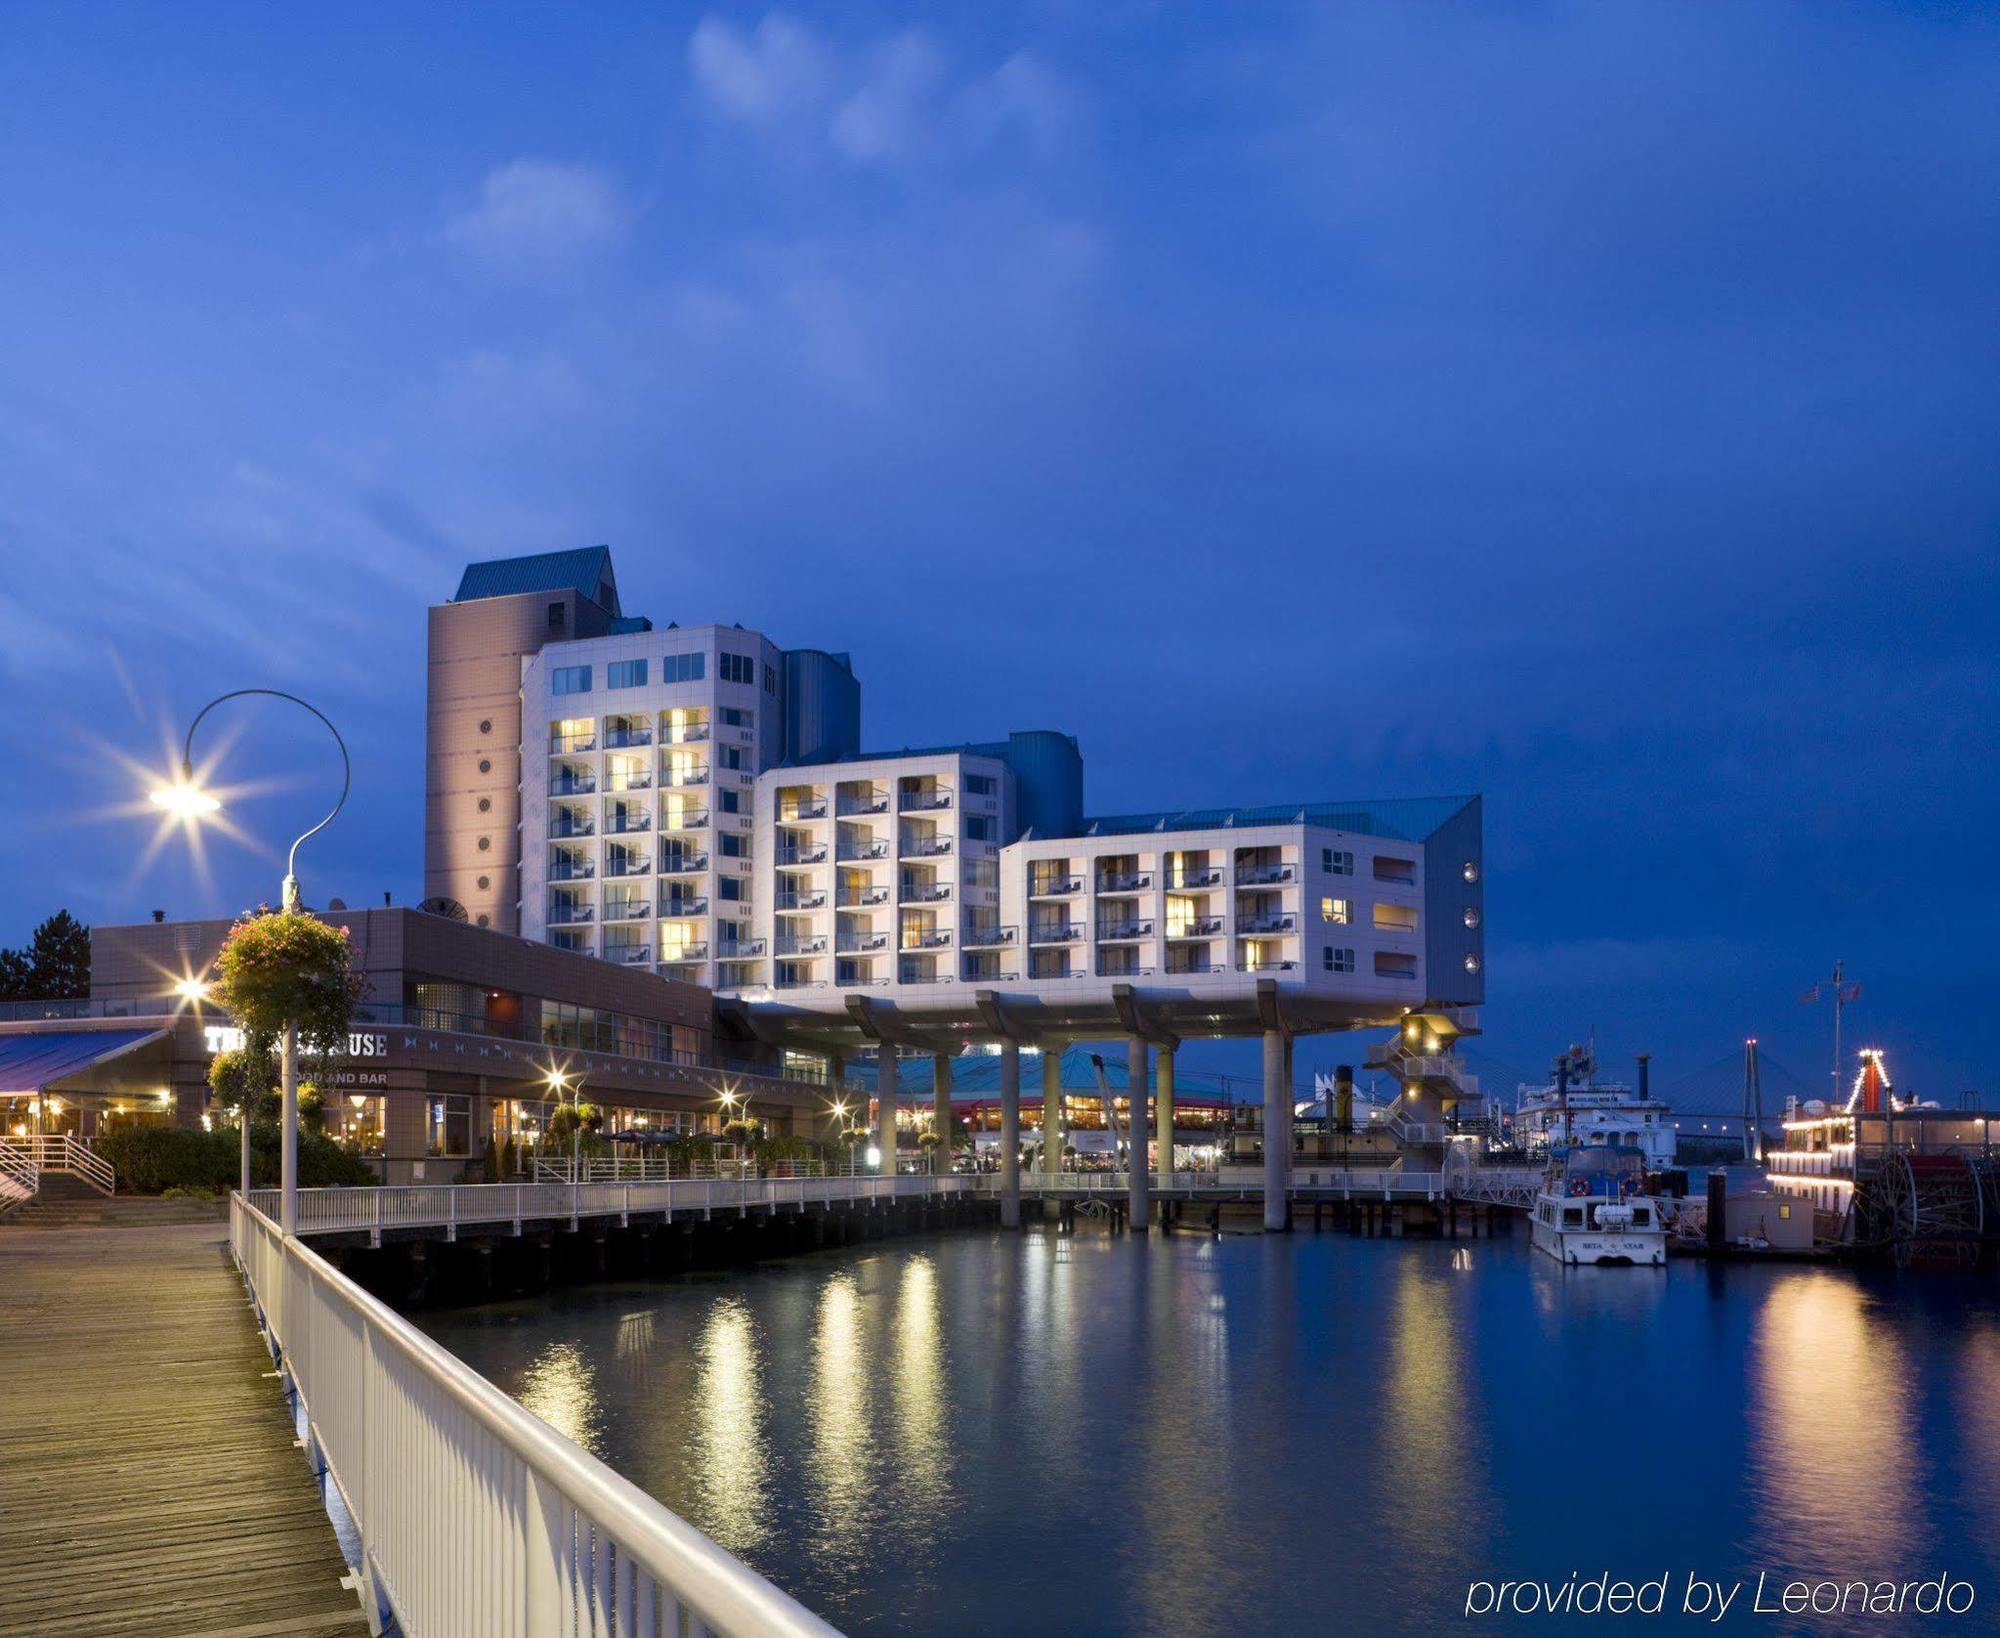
(468, 1036)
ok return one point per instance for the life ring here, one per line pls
(1579, 1187)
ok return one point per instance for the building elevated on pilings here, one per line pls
(695, 800)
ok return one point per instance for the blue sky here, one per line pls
(1589, 405)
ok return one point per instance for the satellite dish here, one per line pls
(450, 909)
(336, 904)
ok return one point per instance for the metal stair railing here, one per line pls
(68, 1153)
(20, 1177)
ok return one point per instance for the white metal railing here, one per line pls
(66, 1152)
(453, 1205)
(1500, 1185)
(473, 1516)
(20, 1177)
(662, 1169)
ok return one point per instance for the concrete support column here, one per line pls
(1164, 1094)
(1052, 1107)
(1010, 1134)
(941, 1109)
(1277, 1130)
(1140, 1199)
(888, 1063)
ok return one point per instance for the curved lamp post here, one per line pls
(186, 800)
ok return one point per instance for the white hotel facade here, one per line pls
(695, 800)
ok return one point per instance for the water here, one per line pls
(1288, 1434)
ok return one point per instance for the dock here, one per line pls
(150, 1482)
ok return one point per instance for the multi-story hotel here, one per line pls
(695, 800)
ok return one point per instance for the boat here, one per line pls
(1594, 1208)
(1578, 1107)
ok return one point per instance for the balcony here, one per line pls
(629, 955)
(1269, 922)
(1054, 887)
(858, 805)
(1194, 876)
(811, 853)
(690, 819)
(636, 908)
(1195, 927)
(739, 949)
(682, 864)
(638, 779)
(630, 864)
(988, 938)
(1113, 931)
(850, 981)
(1196, 967)
(1123, 969)
(813, 900)
(792, 813)
(676, 955)
(688, 733)
(861, 943)
(1266, 966)
(862, 898)
(1126, 881)
(801, 944)
(925, 892)
(793, 981)
(1054, 932)
(926, 847)
(925, 801)
(569, 784)
(684, 778)
(851, 852)
(634, 823)
(683, 904)
(569, 915)
(1260, 875)
(573, 744)
(627, 739)
(935, 938)
(565, 828)
(572, 870)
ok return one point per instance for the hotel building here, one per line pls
(694, 800)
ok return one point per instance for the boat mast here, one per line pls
(1843, 993)
(1562, 1094)
(1753, 1105)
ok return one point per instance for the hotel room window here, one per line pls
(570, 679)
(625, 674)
(1338, 911)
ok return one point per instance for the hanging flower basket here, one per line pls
(289, 968)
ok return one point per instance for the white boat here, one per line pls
(1585, 1111)
(1593, 1208)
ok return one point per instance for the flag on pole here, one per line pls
(1810, 996)
(1850, 992)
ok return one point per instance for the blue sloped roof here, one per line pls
(587, 570)
(976, 1075)
(29, 1062)
(1404, 818)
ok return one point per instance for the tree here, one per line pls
(15, 975)
(59, 956)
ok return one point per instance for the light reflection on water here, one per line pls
(1269, 1434)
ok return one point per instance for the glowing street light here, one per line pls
(186, 801)
(191, 989)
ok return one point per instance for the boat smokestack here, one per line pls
(1645, 1079)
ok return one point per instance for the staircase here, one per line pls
(67, 1202)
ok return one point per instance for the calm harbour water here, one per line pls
(982, 1432)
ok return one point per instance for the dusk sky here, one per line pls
(1592, 406)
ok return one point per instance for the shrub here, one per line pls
(154, 1159)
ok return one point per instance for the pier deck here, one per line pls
(149, 1482)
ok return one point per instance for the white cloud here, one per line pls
(889, 115)
(776, 72)
(542, 211)
(894, 101)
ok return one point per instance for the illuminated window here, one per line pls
(1338, 911)
(1396, 918)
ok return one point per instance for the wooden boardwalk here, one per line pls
(149, 1483)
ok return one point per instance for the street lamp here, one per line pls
(185, 800)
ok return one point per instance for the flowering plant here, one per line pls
(289, 968)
